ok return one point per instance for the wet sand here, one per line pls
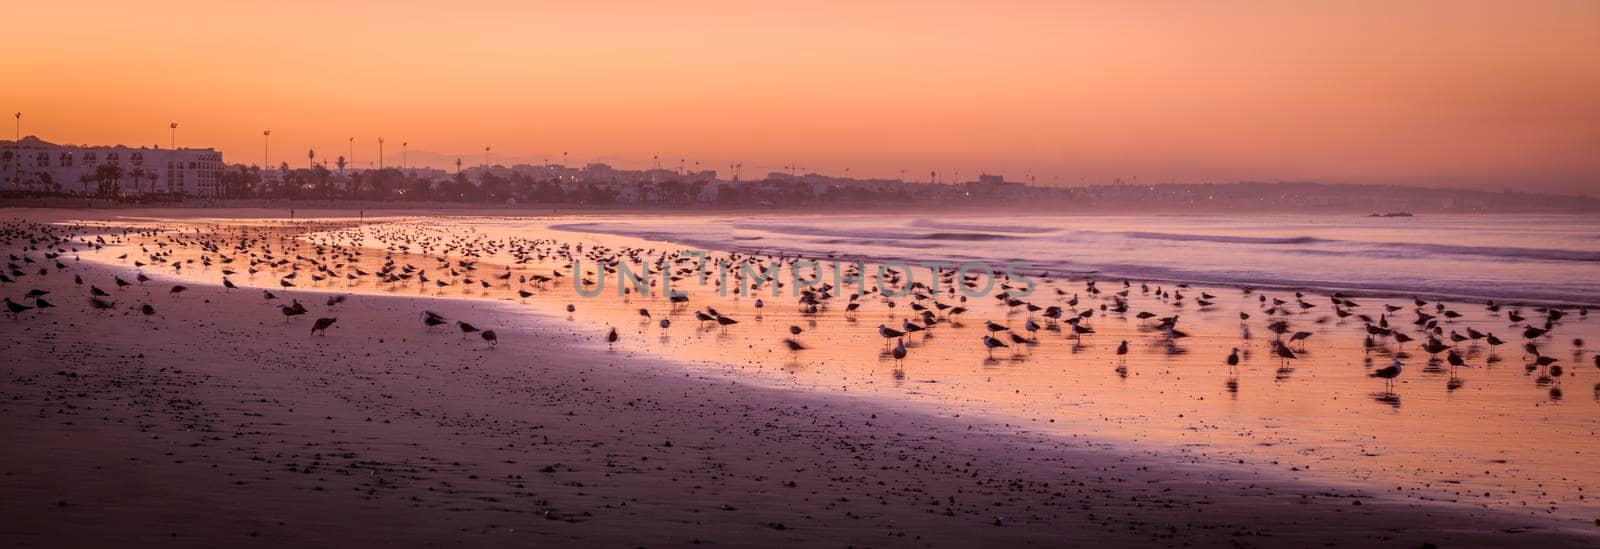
(217, 421)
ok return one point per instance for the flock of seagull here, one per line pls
(322, 255)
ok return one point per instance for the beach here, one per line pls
(217, 420)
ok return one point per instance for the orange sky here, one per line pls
(1489, 94)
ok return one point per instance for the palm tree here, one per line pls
(311, 157)
(340, 162)
(458, 166)
(138, 177)
(109, 179)
(116, 187)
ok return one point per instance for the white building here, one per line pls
(35, 165)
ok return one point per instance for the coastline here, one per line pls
(239, 419)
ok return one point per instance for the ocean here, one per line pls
(1525, 258)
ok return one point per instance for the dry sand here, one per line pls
(216, 422)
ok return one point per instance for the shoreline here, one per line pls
(1351, 460)
(1070, 274)
(1128, 495)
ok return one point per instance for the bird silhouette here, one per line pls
(322, 325)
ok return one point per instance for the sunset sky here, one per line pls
(1481, 94)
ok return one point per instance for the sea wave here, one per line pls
(981, 228)
(873, 234)
(1229, 239)
(1402, 249)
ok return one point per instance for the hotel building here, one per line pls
(35, 165)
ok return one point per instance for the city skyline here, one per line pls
(1473, 95)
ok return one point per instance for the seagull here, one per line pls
(1493, 341)
(322, 325)
(1283, 352)
(991, 343)
(292, 310)
(1300, 336)
(15, 308)
(899, 352)
(611, 337)
(910, 327)
(889, 333)
(431, 319)
(1388, 374)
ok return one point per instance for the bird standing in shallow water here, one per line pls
(889, 333)
(990, 343)
(794, 346)
(1388, 374)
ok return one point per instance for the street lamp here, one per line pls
(266, 143)
(380, 153)
(174, 127)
